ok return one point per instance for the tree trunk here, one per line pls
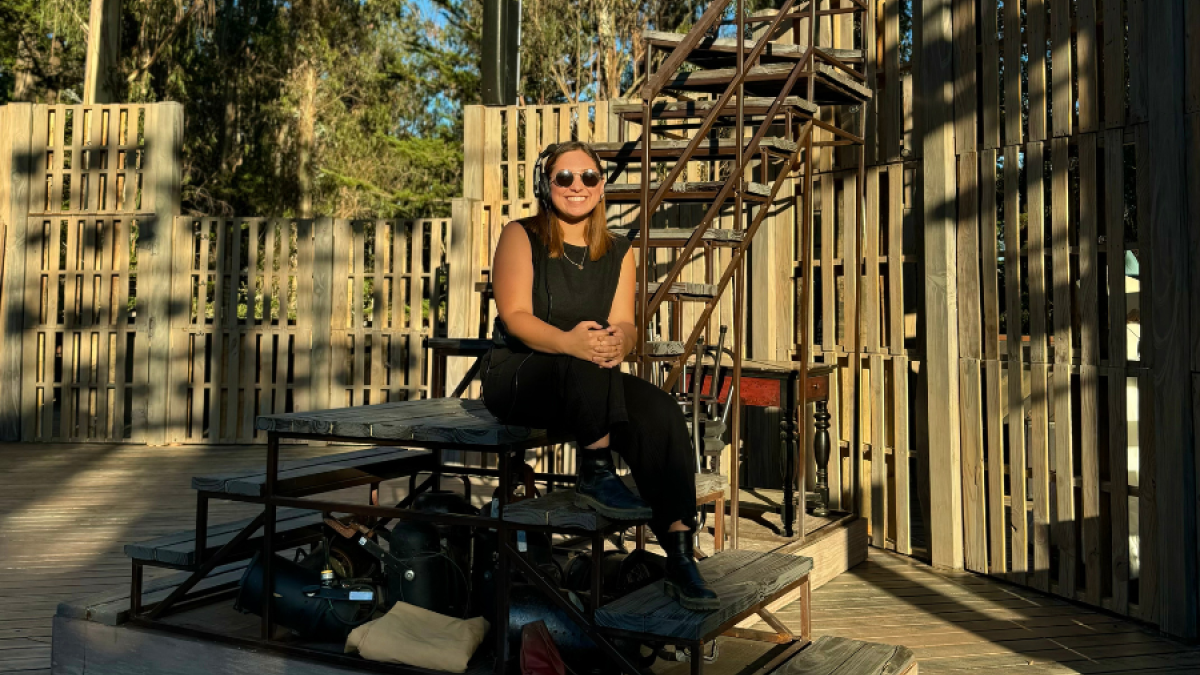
(25, 85)
(307, 137)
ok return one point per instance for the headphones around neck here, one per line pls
(541, 182)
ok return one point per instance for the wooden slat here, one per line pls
(232, 329)
(1016, 393)
(1064, 531)
(874, 400)
(832, 655)
(1139, 67)
(1013, 105)
(1089, 320)
(828, 280)
(989, 16)
(1087, 58)
(900, 455)
(965, 50)
(1035, 27)
(891, 115)
(872, 298)
(990, 255)
(895, 253)
(1039, 371)
(971, 414)
(1114, 212)
(997, 519)
(1114, 64)
(1062, 119)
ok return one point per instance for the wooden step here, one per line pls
(754, 107)
(292, 527)
(687, 291)
(664, 348)
(832, 86)
(112, 608)
(675, 237)
(711, 149)
(704, 191)
(742, 579)
(722, 52)
(322, 474)
(831, 655)
(557, 509)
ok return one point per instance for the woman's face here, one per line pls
(576, 202)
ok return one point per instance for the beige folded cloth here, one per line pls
(418, 637)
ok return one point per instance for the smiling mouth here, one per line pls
(577, 199)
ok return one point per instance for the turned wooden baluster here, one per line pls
(821, 452)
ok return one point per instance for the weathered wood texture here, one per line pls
(305, 474)
(829, 655)
(742, 579)
(179, 548)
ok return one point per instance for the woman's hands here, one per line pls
(589, 341)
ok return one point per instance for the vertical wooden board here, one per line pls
(872, 300)
(1039, 460)
(249, 369)
(964, 76)
(474, 131)
(1148, 526)
(1088, 60)
(219, 308)
(414, 350)
(1139, 66)
(989, 250)
(900, 453)
(16, 185)
(891, 115)
(1062, 101)
(828, 278)
(1036, 250)
(975, 524)
(1089, 432)
(232, 329)
(997, 518)
(358, 329)
(969, 319)
(989, 23)
(339, 379)
(1013, 105)
(1192, 159)
(196, 341)
(1016, 394)
(879, 472)
(1089, 316)
(1118, 493)
(851, 255)
(1114, 64)
(492, 192)
(1192, 67)
(1035, 26)
(835, 477)
(1063, 464)
(1172, 306)
(1089, 358)
(180, 323)
(895, 205)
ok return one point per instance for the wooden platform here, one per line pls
(68, 510)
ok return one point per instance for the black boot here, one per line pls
(683, 581)
(600, 489)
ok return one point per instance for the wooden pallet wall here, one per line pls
(1075, 126)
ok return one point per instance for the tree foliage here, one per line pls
(348, 108)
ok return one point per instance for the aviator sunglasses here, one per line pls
(565, 178)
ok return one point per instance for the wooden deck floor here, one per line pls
(66, 511)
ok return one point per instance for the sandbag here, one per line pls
(418, 637)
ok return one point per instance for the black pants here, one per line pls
(647, 427)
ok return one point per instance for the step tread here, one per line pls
(765, 79)
(558, 509)
(700, 191)
(675, 234)
(111, 608)
(664, 348)
(729, 46)
(753, 106)
(361, 465)
(686, 290)
(831, 655)
(742, 579)
(179, 548)
(711, 148)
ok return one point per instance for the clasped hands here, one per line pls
(589, 341)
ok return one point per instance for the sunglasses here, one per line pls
(566, 178)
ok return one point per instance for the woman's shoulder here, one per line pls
(620, 247)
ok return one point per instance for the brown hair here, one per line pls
(544, 223)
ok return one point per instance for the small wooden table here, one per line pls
(777, 384)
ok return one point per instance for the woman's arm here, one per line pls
(512, 286)
(622, 315)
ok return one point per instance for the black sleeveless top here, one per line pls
(564, 294)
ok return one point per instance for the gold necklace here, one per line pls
(577, 264)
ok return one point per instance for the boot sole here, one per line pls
(584, 501)
(694, 604)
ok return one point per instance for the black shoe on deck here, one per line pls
(600, 489)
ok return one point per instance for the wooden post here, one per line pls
(936, 132)
(1172, 306)
(322, 314)
(16, 172)
(103, 52)
(462, 307)
(164, 143)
